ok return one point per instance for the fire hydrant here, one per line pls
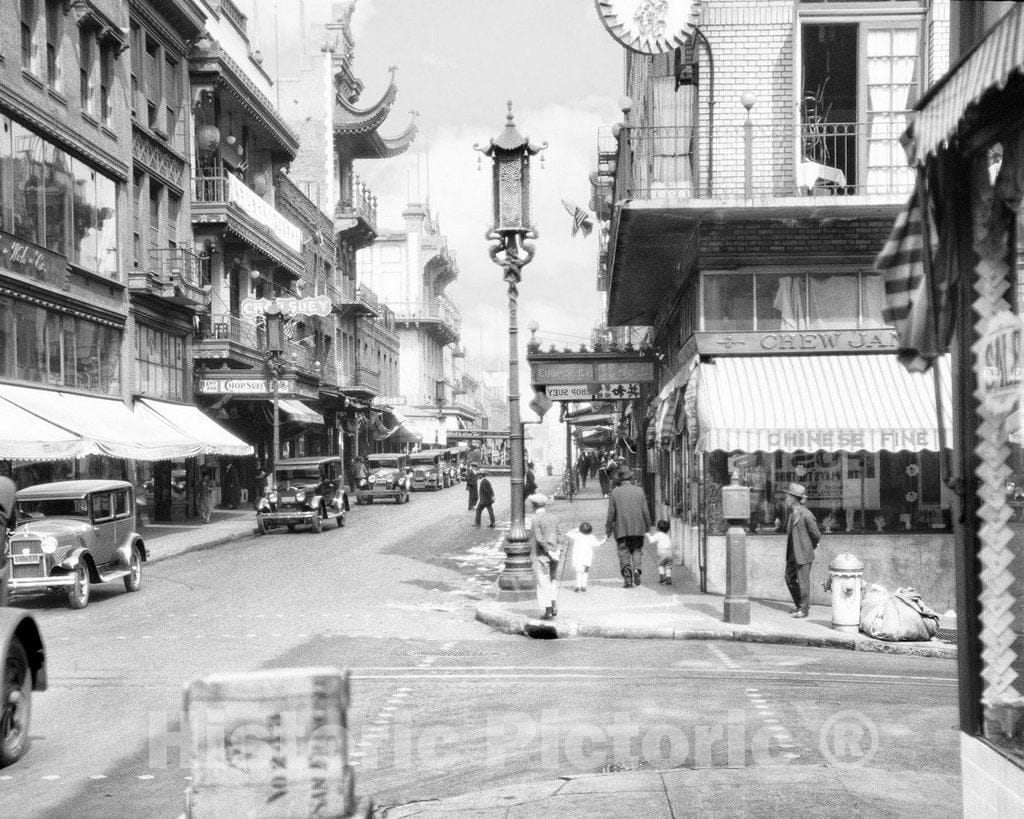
(844, 579)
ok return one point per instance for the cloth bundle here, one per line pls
(897, 617)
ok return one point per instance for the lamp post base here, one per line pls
(737, 602)
(516, 586)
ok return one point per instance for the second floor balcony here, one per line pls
(241, 341)
(175, 275)
(762, 162)
(438, 313)
(355, 216)
(225, 199)
(348, 298)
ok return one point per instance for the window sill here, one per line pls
(109, 132)
(57, 96)
(33, 79)
(90, 119)
(93, 275)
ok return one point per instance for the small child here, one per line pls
(663, 544)
(583, 544)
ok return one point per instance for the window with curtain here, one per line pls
(729, 302)
(892, 81)
(832, 301)
(31, 59)
(671, 136)
(781, 301)
(54, 31)
(87, 71)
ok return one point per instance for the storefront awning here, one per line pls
(106, 424)
(989, 65)
(26, 437)
(666, 407)
(810, 403)
(197, 424)
(297, 411)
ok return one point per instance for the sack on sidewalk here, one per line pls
(898, 617)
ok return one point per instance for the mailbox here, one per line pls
(736, 500)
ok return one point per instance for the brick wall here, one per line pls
(838, 237)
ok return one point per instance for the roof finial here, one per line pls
(508, 117)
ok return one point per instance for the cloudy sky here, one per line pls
(458, 62)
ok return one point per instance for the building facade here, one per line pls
(747, 190)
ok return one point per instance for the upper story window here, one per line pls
(87, 76)
(54, 36)
(791, 301)
(860, 79)
(31, 53)
(156, 78)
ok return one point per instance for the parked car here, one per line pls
(304, 491)
(388, 479)
(72, 534)
(427, 470)
(23, 660)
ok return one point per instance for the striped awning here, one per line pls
(666, 415)
(988, 65)
(809, 403)
(297, 411)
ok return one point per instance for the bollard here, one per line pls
(844, 579)
(736, 510)
(271, 744)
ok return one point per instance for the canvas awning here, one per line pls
(808, 403)
(197, 424)
(988, 65)
(297, 411)
(106, 424)
(666, 407)
(26, 437)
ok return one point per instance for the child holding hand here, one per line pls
(662, 544)
(583, 544)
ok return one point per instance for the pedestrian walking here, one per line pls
(206, 487)
(628, 521)
(802, 537)
(259, 484)
(662, 544)
(530, 481)
(471, 479)
(547, 546)
(604, 474)
(486, 501)
(583, 468)
(582, 541)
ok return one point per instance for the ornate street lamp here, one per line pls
(510, 156)
(439, 400)
(274, 350)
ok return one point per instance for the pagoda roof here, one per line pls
(356, 128)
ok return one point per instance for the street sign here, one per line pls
(290, 306)
(594, 392)
(388, 401)
(541, 404)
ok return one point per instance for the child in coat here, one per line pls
(583, 544)
(663, 546)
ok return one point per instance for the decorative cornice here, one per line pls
(174, 35)
(239, 223)
(351, 120)
(87, 14)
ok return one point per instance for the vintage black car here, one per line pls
(72, 534)
(388, 479)
(303, 491)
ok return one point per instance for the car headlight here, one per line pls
(391, 479)
(272, 497)
(300, 497)
(48, 544)
(372, 479)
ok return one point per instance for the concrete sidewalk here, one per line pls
(165, 540)
(680, 611)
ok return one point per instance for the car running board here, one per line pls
(106, 578)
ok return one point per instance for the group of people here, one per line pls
(601, 464)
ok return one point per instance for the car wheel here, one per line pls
(317, 525)
(133, 580)
(261, 525)
(78, 592)
(369, 501)
(340, 520)
(16, 704)
(291, 527)
(405, 498)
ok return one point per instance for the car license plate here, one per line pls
(26, 559)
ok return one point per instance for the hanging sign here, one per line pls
(650, 26)
(290, 306)
(999, 364)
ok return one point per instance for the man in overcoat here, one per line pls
(486, 492)
(628, 520)
(802, 536)
(471, 479)
(547, 551)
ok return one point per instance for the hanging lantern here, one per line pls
(207, 138)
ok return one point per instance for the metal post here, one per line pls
(277, 418)
(568, 458)
(747, 101)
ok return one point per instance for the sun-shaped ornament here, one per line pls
(913, 470)
(911, 497)
(650, 26)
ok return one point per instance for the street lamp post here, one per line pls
(439, 400)
(275, 366)
(510, 157)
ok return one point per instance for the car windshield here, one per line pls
(392, 464)
(53, 508)
(304, 474)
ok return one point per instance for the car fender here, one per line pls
(19, 623)
(263, 505)
(124, 551)
(76, 556)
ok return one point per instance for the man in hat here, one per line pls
(802, 536)
(486, 501)
(547, 550)
(628, 520)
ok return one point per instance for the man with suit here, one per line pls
(529, 481)
(547, 551)
(486, 501)
(802, 536)
(628, 520)
(471, 479)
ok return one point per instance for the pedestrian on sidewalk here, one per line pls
(472, 476)
(604, 474)
(547, 546)
(530, 481)
(628, 520)
(802, 536)
(206, 487)
(583, 542)
(662, 544)
(486, 500)
(583, 468)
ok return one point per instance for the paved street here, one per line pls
(443, 705)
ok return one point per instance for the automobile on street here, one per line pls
(304, 492)
(389, 479)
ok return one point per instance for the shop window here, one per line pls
(728, 302)
(57, 191)
(27, 181)
(832, 301)
(6, 174)
(781, 301)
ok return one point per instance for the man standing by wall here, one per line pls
(628, 520)
(802, 538)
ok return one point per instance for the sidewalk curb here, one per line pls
(493, 614)
(197, 547)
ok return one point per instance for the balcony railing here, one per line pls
(366, 377)
(839, 159)
(368, 297)
(439, 310)
(225, 190)
(235, 16)
(360, 203)
(232, 328)
(177, 264)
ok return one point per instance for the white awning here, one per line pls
(828, 402)
(666, 407)
(197, 424)
(106, 424)
(297, 411)
(989, 65)
(27, 437)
